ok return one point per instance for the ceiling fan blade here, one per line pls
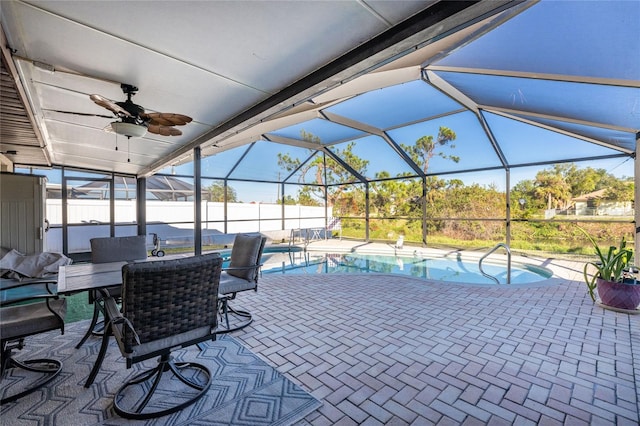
(166, 118)
(163, 130)
(85, 114)
(110, 105)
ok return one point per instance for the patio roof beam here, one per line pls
(568, 160)
(402, 153)
(538, 76)
(344, 121)
(493, 141)
(235, 166)
(344, 164)
(347, 122)
(513, 113)
(441, 85)
(426, 119)
(448, 90)
(297, 143)
(508, 113)
(293, 172)
(291, 141)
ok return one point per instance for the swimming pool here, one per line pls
(453, 269)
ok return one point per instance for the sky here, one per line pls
(572, 44)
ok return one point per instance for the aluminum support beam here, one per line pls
(141, 205)
(197, 201)
(636, 207)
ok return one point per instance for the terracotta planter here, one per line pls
(619, 295)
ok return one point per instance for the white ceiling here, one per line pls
(227, 64)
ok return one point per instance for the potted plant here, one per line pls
(614, 276)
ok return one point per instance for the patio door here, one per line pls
(87, 212)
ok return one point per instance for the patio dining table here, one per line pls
(80, 277)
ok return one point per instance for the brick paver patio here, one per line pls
(381, 349)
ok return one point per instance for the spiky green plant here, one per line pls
(613, 264)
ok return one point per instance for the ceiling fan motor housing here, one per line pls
(131, 108)
(128, 105)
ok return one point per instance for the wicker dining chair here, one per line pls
(166, 305)
(39, 311)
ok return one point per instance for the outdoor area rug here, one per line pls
(244, 389)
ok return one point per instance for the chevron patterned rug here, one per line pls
(244, 390)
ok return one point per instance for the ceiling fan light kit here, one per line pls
(130, 130)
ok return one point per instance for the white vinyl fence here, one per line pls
(172, 221)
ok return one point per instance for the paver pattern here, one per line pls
(380, 349)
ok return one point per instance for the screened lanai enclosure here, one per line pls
(455, 124)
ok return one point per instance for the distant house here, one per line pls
(163, 188)
(593, 204)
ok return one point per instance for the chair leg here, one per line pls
(225, 310)
(96, 328)
(103, 350)
(128, 403)
(94, 321)
(50, 368)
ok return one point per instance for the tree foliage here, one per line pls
(451, 207)
(425, 148)
(557, 186)
(554, 188)
(216, 193)
(324, 172)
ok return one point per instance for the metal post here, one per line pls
(112, 206)
(366, 209)
(508, 222)
(424, 211)
(197, 201)
(141, 205)
(65, 215)
(283, 210)
(636, 207)
(226, 227)
(508, 211)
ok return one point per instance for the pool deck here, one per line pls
(389, 349)
(382, 349)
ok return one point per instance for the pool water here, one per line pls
(276, 261)
(441, 269)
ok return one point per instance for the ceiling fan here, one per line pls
(134, 121)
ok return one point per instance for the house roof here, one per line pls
(591, 195)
